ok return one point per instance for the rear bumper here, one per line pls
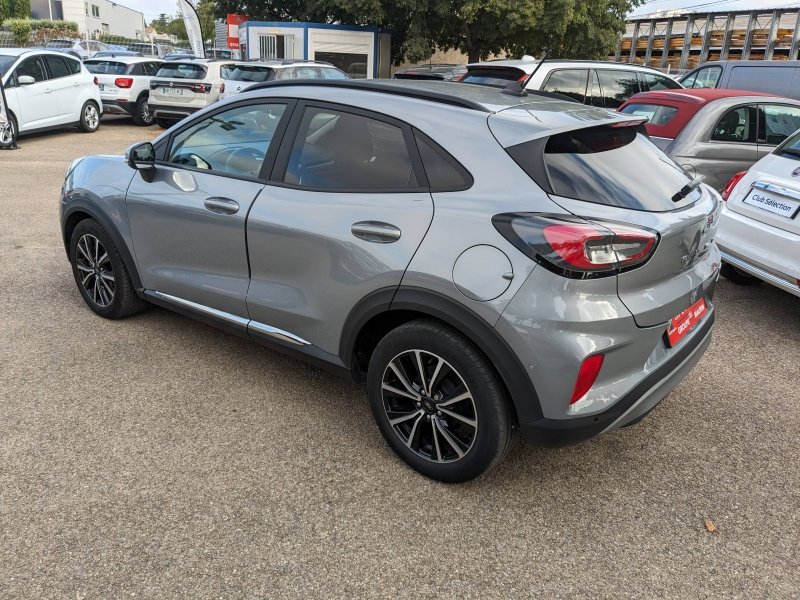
(115, 107)
(556, 433)
(166, 111)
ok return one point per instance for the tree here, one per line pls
(479, 28)
(21, 9)
(5, 10)
(205, 11)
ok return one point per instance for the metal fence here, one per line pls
(677, 43)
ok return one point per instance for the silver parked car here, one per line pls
(714, 134)
(559, 290)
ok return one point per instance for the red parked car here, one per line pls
(712, 133)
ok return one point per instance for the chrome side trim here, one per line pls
(277, 333)
(205, 309)
(761, 273)
(776, 189)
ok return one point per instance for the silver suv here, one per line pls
(490, 264)
(248, 74)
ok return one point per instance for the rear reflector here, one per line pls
(587, 375)
(728, 190)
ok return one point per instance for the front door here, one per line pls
(347, 210)
(188, 222)
(38, 102)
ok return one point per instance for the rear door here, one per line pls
(346, 210)
(61, 82)
(178, 84)
(188, 221)
(731, 147)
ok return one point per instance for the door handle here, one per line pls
(47, 90)
(222, 206)
(375, 231)
(76, 84)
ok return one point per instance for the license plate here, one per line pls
(682, 324)
(102, 87)
(777, 205)
(176, 91)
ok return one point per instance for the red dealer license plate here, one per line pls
(682, 324)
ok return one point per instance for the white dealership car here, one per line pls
(759, 229)
(124, 83)
(247, 74)
(49, 90)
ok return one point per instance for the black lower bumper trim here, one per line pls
(557, 433)
(171, 111)
(128, 107)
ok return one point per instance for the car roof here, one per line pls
(530, 63)
(15, 51)
(124, 58)
(277, 63)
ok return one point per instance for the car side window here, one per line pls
(660, 82)
(225, 71)
(232, 142)
(336, 150)
(58, 67)
(594, 96)
(150, 68)
(737, 125)
(306, 73)
(704, 78)
(33, 67)
(444, 172)
(776, 123)
(330, 73)
(617, 86)
(569, 82)
(74, 65)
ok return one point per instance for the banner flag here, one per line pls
(192, 22)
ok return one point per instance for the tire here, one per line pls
(105, 284)
(141, 114)
(444, 440)
(90, 118)
(738, 276)
(164, 123)
(8, 135)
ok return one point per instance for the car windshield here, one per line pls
(791, 147)
(251, 73)
(106, 67)
(6, 62)
(181, 71)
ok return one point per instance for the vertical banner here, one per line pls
(192, 22)
(233, 30)
(6, 132)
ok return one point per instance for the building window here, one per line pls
(95, 10)
(86, 7)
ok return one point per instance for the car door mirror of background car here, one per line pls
(142, 157)
(25, 80)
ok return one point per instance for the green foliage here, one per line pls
(5, 9)
(21, 29)
(36, 24)
(479, 28)
(21, 9)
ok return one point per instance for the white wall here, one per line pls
(114, 19)
(341, 40)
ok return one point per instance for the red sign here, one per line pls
(682, 324)
(233, 30)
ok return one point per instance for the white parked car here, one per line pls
(182, 87)
(247, 74)
(49, 90)
(83, 48)
(759, 229)
(124, 83)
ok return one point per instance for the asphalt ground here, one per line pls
(156, 457)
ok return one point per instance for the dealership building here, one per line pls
(361, 52)
(94, 17)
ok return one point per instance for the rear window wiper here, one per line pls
(686, 190)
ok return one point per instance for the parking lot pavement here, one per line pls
(156, 457)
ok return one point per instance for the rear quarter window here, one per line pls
(656, 113)
(251, 73)
(569, 82)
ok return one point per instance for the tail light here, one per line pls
(222, 87)
(523, 77)
(577, 248)
(461, 77)
(153, 85)
(123, 82)
(587, 375)
(728, 190)
(96, 81)
(200, 88)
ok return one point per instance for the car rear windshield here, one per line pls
(615, 166)
(181, 71)
(106, 67)
(251, 73)
(657, 113)
(496, 76)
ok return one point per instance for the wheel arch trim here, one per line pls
(82, 205)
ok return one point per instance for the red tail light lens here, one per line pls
(590, 369)
(728, 190)
(96, 82)
(123, 82)
(200, 88)
(461, 77)
(222, 87)
(577, 248)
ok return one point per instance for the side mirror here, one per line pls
(25, 80)
(142, 157)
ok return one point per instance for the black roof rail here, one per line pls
(291, 61)
(372, 86)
